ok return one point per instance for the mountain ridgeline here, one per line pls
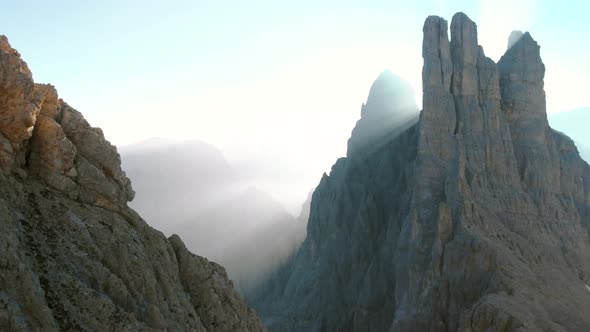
(74, 256)
(474, 217)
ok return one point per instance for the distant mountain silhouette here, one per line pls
(190, 188)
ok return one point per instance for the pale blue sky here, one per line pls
(283, 79)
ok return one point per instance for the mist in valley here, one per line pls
(273, 140)
(189, 188)
(240, 213)
(250, 213)
(239, 194)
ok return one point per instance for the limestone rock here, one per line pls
(523, 100)
(74, 256)
(96, 150)
(477, 218)
(20, 105)
(51, 151)
(59, 137)
(68, 265)
(212, 293)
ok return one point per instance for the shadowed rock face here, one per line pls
(474, 219)
(74, 257)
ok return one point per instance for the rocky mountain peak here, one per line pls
(74, 256)
(20, 100)
(523, 58)
(475, 218)
(437, 69)
(464, 55)
(521, 72)
(43, 136)
(464, 34)
(16, 60)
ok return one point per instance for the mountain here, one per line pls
(74, 256)
(574, 124)
(475, 218)
(214, 204)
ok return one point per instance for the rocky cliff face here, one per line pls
(476, 218)
(74, 256)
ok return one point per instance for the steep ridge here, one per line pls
(474, 219)
(74, 257)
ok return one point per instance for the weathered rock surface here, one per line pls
(74, 257)
(477, 218)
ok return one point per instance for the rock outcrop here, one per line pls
(74, 257)
(476, 218)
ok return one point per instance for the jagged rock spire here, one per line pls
(464, 55)
(19, 102)
(521, 68)
(523, 102)
(437, 69)
(475, 219)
